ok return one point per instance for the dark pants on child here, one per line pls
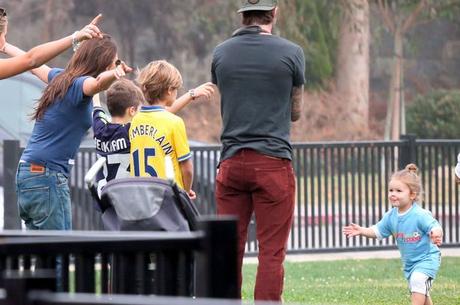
(252, 182)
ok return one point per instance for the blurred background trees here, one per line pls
(362, 56)
(435, 115)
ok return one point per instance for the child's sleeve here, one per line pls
(427, 222)
(383, 228)
(100, 121)
(180, 142)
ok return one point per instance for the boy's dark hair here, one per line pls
(121, 95)
(258, 17)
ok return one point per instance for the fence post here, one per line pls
(11, 155)
(217, 265)
(17, 284)
(408, 152)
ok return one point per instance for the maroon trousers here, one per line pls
(252, 182)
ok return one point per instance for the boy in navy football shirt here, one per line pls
(124, 99)
(111, 136)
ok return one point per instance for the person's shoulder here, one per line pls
(99, 112)
(173, 117)
(82, 78)
(224, 44)
(286, 43)
(421, 211)
(392, 211)
(54, 72)
(167, 116)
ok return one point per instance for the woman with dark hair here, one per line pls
(62, 117)
(42, 53)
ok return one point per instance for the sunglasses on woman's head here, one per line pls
(2, 12)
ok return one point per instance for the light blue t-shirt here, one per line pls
(412, 233)
(56, 137)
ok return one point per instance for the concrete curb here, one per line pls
(358, 255)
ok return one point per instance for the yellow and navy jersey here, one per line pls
(154, 134)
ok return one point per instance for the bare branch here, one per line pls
(410, 21)
(388, 19)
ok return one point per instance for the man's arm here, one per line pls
(297, 103)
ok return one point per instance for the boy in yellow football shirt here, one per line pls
(156, 133)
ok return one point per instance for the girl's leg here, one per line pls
(428, 301)
(419, 299)
(420, 286)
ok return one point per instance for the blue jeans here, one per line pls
(43, 199)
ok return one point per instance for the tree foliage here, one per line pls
(148, 29)
(435, 115)
(313, 24)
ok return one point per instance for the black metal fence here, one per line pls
(190, 264)
(47, 298)
(337, 183)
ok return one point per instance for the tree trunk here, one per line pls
(353, 62)
(48, 32)
(393, 119)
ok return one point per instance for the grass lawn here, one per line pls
(360, 282)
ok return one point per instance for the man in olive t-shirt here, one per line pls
(260, 77)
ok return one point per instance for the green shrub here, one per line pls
(435, 115)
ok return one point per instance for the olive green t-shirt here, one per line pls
(255, 74)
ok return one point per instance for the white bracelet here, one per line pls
(75, 42)
(192, 94)
(118, 74)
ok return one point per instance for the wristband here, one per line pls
(192, 94)
(75, 42)
(118, 74)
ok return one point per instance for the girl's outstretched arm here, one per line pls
(45, 52)
(355, 230)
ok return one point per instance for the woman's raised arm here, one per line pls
(45, 52)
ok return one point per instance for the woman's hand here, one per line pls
(89, 31)
(121, 69)
(102, 82)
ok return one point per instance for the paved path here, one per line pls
(350, 255)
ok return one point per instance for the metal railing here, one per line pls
(201, 263)
(337, 183)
